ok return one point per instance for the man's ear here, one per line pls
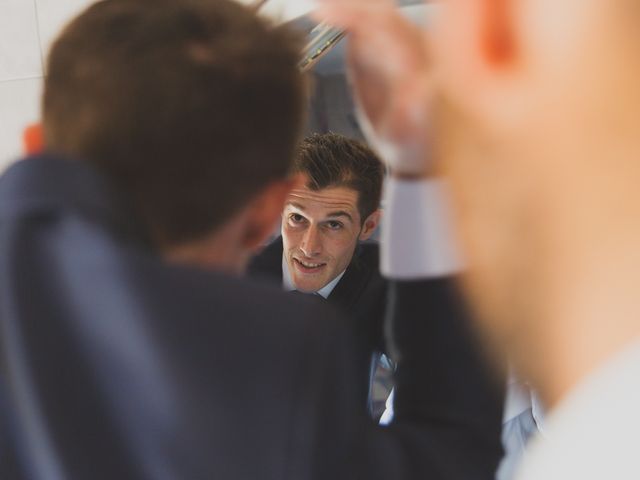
(265, 210)
(498, 33)
(475, 43)
(370, 225)
(32, 139)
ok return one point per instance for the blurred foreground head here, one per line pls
(539, 131)
(192, 107)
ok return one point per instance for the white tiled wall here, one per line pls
(19, 106)
(27, 28)
(53, 16)
(284, 10)
(19, 44)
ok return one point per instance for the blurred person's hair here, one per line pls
(332, 160)
(190, 106)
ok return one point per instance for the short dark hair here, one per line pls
(333, 160)
(190, 106)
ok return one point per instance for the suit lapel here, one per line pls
(352, 284)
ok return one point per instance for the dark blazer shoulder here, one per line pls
(361, 279)
(362, 294)
(267, 264)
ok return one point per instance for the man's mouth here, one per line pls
(308, 267)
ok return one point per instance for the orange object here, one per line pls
(32, 139)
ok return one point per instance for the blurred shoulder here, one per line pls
(268, 262)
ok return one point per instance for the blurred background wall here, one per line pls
(27, 28)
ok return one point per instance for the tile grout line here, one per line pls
(35, 8)
(20, 79)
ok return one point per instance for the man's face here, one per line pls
(320, 231)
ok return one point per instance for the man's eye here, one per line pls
(334, 225)
(295, 218)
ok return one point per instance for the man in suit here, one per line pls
(129, 347)
(326, 223)
(323, 247)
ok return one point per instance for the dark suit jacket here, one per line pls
(361, 293)
(115, 365)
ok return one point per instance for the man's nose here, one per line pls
(311, 244)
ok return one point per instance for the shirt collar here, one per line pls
(288, 285)
(518, 399)
(604, 405)
(538, 411)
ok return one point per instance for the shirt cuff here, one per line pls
(416, 233)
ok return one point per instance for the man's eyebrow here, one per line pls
(337, 213)
(340, 213)
(296, 205)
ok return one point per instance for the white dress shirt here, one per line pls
(593, 433)
(288, 285)
(522, 421)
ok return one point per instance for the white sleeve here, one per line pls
(417, 240)
(387, 416)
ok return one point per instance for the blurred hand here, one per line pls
(390, 71)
